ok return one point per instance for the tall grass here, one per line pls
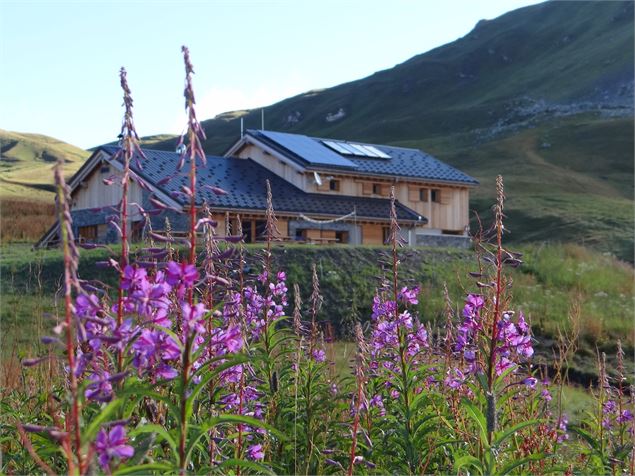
(24, 220)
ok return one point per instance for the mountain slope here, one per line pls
(558, 57)
(542, 95)
(26, 161)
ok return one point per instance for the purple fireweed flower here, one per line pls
(255, 452)
(624, 416)
(454, 379)
(112, 444)
(378, 402)
(232, 339)
(405, 319)
(232, 374)
(87, 305)
(133, 277)
(152, 350)
(165, 372)
(121, 335)
(530, 382)
(473, 305)
(563, 436)
(503, 364)
(184, 274)
(193, 318)
(416, 341)
(149, 298)
(100, 388)
(318, 355)
(383, 308)
(409, 296)
(609, 407)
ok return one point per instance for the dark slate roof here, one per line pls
(245, 182)
(403, 162)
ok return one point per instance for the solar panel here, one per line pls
(360, 150)
(357, 150)
(374, 149)
(365, 150)
(335, 146)
(308, 149)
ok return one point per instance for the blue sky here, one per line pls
(59, 60)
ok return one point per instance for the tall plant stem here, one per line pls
(184, 382)
(128, 137)
(403, 343)
(497, 309)
(194, 130)
(360, 392)
(72, 424)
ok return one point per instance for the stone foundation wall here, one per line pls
(453, 241)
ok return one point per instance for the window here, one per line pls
(385, 234)
(136, 230)
(105, 169)
(87, 233)
(435, 195)
(334, 185)
(423, 194)
(341, 237)
(377, 188)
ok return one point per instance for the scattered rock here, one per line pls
(332, 117)
(294, 118)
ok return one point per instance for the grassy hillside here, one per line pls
(570, 179)
(26, 161)
(542, 95)
(554, 57)
(552, 281)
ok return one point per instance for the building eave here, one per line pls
(248, 139)
(400, 178)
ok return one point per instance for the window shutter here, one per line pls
(385, 190)
(367, 188)
(413, 194)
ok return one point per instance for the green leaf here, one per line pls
(206, 427)
(468, 461)
(250, 465)
(502, 436)
(142, 448)
(145, 469)
(514, 464)
(622, 452)
(156, 429)
(482, 380)
(209, 374)
(104, 414)
(147, 392)
(477, 415)
(587, 436)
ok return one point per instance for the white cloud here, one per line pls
(219, 99)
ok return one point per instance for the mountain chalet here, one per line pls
(324, 191)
